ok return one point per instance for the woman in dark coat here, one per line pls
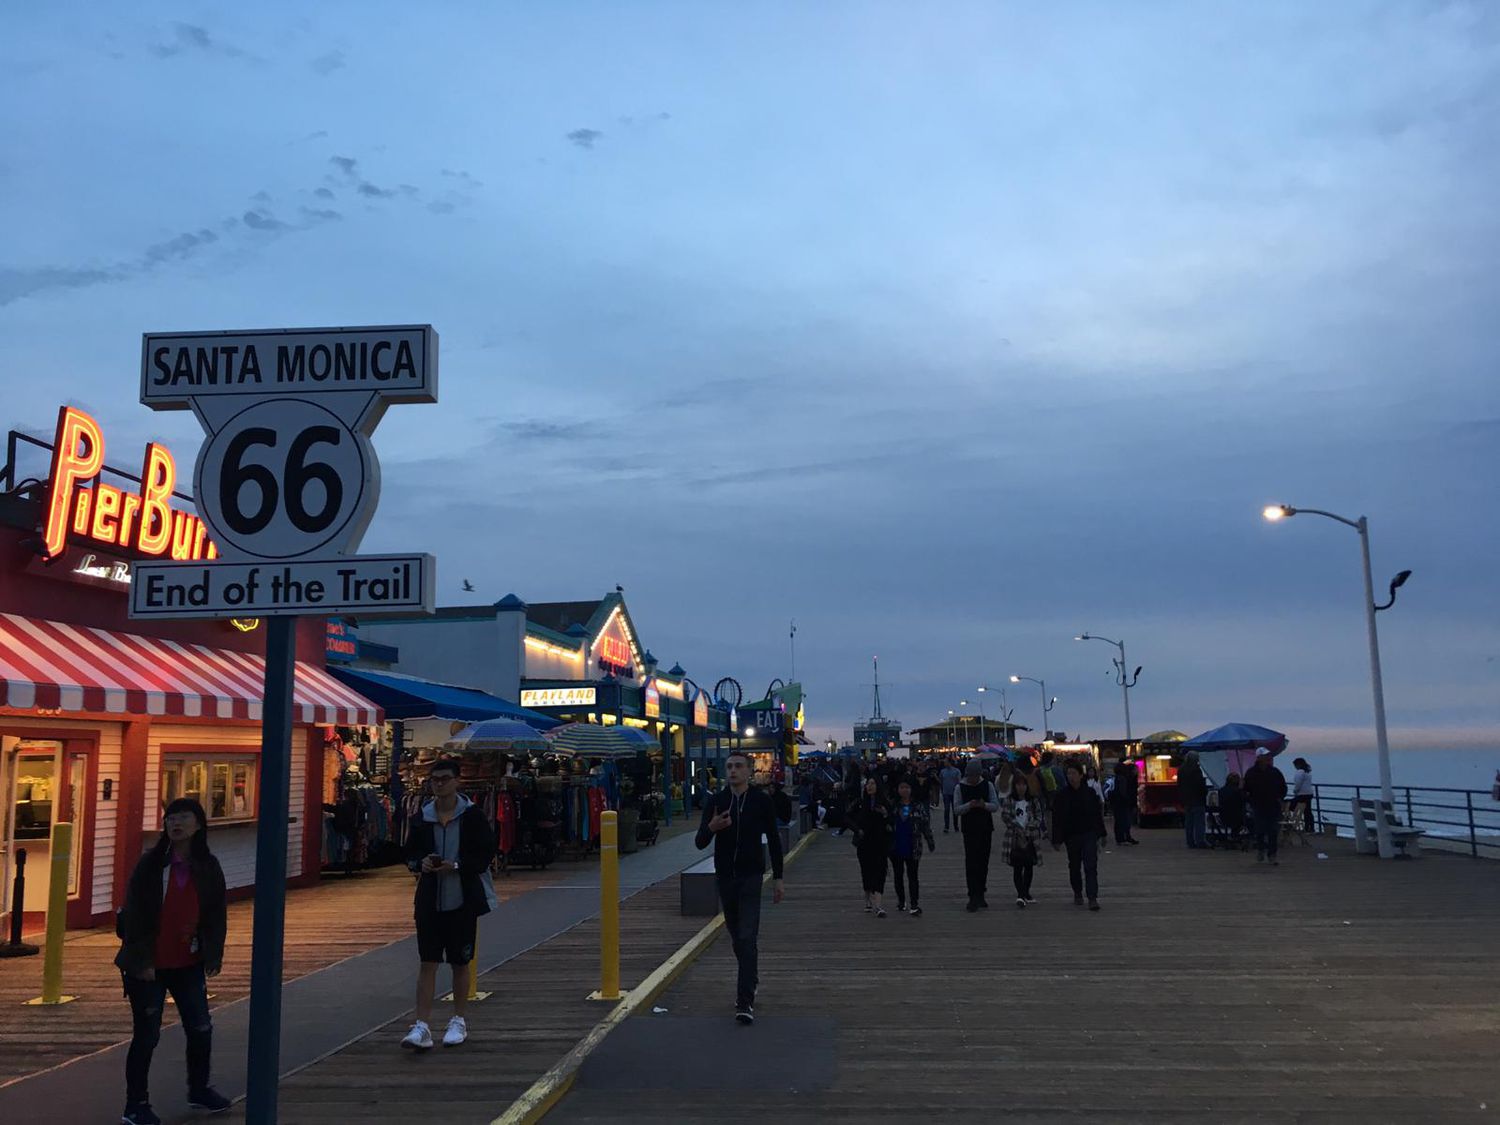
(171, 932)
(870, 818)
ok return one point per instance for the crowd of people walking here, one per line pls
(890, 809)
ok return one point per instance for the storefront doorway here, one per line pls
(43, 783)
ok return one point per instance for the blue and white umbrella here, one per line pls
(497, 736)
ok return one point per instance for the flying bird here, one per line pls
(468, 586)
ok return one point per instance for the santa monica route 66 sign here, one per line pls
(287, 480)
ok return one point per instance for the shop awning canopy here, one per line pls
(407, 697)
(51, 665)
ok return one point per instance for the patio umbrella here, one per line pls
(988, 755)
(1166, 736)
(1235, 744)
(1238, 736)
(592, 740)
(813, 755)
(503, 736)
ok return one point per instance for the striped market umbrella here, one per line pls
(593, 740)
(501, 736)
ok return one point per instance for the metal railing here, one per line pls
(1469, 819)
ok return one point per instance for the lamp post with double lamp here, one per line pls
(1124, 679)
(1047, 704)
(952, 734)
(1277, 512)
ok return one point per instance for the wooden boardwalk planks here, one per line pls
(537, 1012)
(1209, 988)
(324, 924)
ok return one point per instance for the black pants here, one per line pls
(147, 998)
(977, 845)
(740, 897)
(1083, 864)
(872, 870)
(1123, 818)
(1022, 873)
(1266, 825)
(905, 870)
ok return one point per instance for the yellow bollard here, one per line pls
(57, 917)
(472, 989)
(609, 908)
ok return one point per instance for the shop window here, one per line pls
(223, 784)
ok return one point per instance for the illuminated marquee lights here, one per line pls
(144, 522)
(611, 650)
(553, 650)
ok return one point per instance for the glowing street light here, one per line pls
(1122, 670)
(1046, 704)
(1277, 512)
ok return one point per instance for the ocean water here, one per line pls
(1472, 769)
(1442, 769)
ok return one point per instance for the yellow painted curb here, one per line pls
(549, 1089)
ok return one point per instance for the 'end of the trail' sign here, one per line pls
(364, 584)
(398, 361)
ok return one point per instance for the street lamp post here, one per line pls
(1046, 705)
(952, 731)
(981, 691)
(1362, 525)
(964, 725)
(1125, 680)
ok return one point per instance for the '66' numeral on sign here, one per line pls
(282, 479)
(297, 474)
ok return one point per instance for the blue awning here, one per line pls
(406, 697)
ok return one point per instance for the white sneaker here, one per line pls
(419, 1038)
(458, 1031)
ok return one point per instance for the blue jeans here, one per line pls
(1196, 825)
(189, 989)
(740, 897)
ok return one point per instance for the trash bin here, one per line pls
(629, 819)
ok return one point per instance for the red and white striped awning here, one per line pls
(46, 664)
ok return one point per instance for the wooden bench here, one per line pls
(1378, 831)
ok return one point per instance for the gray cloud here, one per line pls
(346, 164)
(320, 214)
(262, 197)
(323, 193)
(584, 138)
(262, 220)
(365, 187)
(181, 246)
(16, 283)
(463, 177)
(545, 430)
(190, 37)
(327, 63)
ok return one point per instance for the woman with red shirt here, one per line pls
(171, 931)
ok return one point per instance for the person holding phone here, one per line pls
(734, 821)
(171, 932)
(449, 848)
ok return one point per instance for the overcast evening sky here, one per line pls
(948, 330)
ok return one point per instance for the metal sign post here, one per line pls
(286, 483)
(263, 1066)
